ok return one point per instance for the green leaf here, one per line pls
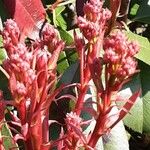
(54, 131)
(2, 51)
(61, 22)
(145, 83)
(59, 10)
(65, 36)
(144, 43)
(134, 9)
(3, 13)
(116, 139)
(71, 75)
(72, 56)
(2, 55)
(62, 63)
(143, 14)
(132, 120)
(58, 18)
(8, 143)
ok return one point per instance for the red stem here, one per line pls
(21, 107)
(100, 122)
(45, 129)
(83, 81)
(96, 133)
(28, 144)
(80, 100)
(82, 67)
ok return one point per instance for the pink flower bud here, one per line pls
(94, 21)
(42, 60)
(133, 48)
(89, 29)
(11, 33)
(73, 118)
(21, 89)
(119, 54)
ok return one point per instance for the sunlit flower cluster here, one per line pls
(94, 21)
(31, 69)
(119, 53)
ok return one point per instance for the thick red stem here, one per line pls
(96, 133)
(80, 100)
(22, 111)
(28, 144)
(45, 129)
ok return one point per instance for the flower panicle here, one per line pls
(119, 53)
(32, 72)
(11, 35)
(93, 24)
(74, 137)
(109, 71)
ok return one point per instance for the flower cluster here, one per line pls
(117, 62)
(94, 21)
(92, 27)
(18, 64)
(31, 71)
(119, 52)
(74, 136)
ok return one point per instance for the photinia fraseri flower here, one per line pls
(117, 62)
(11, 35)
(119, 66)
(74, 137)
(92, 25)
(32, 75)
(119, 54)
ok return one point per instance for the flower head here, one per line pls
(11, 34)
(119, 53)
(75, 137)
(74, 119)
(94, 21)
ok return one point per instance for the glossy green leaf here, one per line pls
(66, 37)
(134, 9)
(144, 43)
(132, 120)
(116, 139)
(145, 82)
(8, 142)
(62, 63)
(2, 52)
(71, 75)
(143, 14)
